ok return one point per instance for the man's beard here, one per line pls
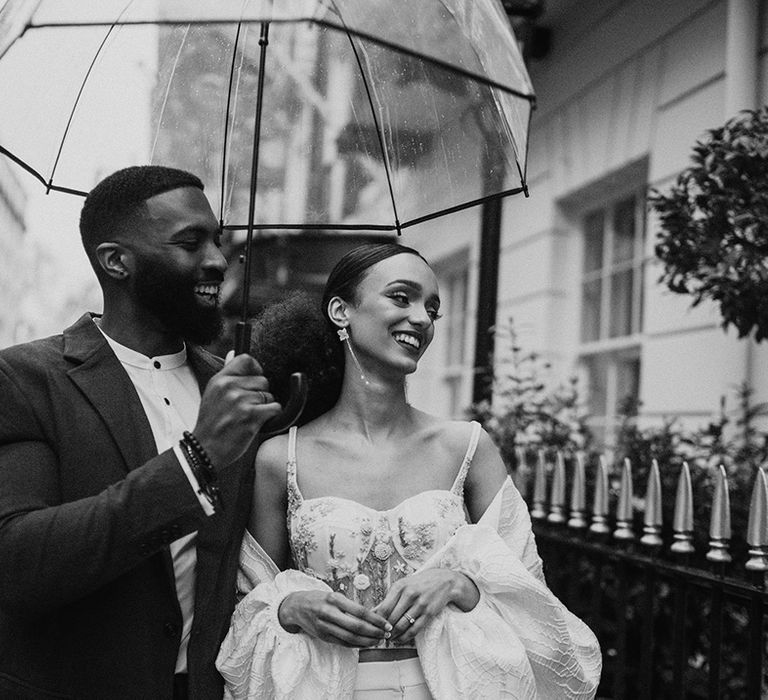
(170, 297)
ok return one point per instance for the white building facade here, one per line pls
(625, 91)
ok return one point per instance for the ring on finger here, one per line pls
(411, 620)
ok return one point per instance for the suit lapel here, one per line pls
(101, 378)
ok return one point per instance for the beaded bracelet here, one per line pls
(194, 443)
(202, 468)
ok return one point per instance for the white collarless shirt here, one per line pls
(170, 396)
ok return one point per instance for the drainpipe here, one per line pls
(741, 48)
(487, 295)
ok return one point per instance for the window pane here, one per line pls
(596, 367)
(627, 383)
(454, 394)
(624, 230)
(593, 241)
(590, 310)
(621, 303)
(455, 317)
(613, 382)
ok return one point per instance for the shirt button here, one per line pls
(167, 402)
(156, 364)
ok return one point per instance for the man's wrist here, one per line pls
(202, 468)
(204, 502)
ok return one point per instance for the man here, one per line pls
(119, 531)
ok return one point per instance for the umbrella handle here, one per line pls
(297, 399)
(297, 390)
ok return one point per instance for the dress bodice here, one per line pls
(359, 551)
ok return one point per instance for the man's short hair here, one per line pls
(112, 205)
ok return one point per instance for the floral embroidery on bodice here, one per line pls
(359, 551)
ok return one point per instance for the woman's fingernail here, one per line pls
(387, 635)
(388, 627)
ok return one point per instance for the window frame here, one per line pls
(455, 372)
(615, 349)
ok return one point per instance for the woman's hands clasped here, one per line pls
(333, 618)
(410, 604)
(413, 601)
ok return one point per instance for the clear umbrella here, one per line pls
(297, 115)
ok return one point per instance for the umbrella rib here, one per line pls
(226, 126)
(465, 205)
(168, 89)
(48, 187)
(381, 227)
(379, 135)
(24, 165)
(49, 184)
(430, 59)
(311, 227)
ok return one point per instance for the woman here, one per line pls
(379, 584)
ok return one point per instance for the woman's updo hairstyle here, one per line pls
(296, 334)
(347, 274)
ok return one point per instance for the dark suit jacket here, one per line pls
(88, 607)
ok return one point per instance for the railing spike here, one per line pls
(540, 488)
(757, 526)
(600, 504)
(624, 510)
(720, 522)
(578, 494)
(682, 522)
(652, 519)
(557, 495)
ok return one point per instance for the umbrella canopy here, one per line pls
(298, 114)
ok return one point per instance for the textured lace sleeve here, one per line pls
(260, 659)
(519, 640)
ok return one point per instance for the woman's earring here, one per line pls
(343, 334)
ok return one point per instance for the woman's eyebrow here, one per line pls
(407, 283)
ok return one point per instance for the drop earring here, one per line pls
(343, 334)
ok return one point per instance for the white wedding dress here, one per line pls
(518, 642)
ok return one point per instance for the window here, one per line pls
(611, 310)
(454, 286)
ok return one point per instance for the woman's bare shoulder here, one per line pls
(454, 434)
(272, 456)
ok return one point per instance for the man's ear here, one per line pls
(337, 312)
(114, 259)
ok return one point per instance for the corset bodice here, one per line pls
(360, 551)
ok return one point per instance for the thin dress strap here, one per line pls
(294, 495)
(458, 484)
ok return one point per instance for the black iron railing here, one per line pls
(671, 622)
